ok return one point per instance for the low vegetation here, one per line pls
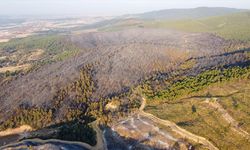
(234, 97)
(72, 111)
(34, 51)
(108, 90)
(79, 111)
(233, 26)
(198, 118)
(11, 69)
(185, 103)
(190, 85)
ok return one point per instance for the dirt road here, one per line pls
(226, 116)
(100, 145)
(177, 129)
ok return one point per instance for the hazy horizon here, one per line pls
(105, 8)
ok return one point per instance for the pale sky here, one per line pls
(106, 7)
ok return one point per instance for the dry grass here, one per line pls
(122, 59)
(235, 98)
(35, 55)
(209, 122)
(19, 130)
(4, 40)
(113, 105)
(23, 67)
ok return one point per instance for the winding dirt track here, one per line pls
(100, 145)
(101, 142)
(176, 128)
(234, 124)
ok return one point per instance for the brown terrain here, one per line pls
(121, 59)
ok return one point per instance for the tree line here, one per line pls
(192, 84)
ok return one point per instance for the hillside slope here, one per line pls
(218, 113)
(178, 14)
(233, 26)
(196, 68)
(121, 59)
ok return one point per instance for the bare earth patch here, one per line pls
(19, 130)
(15, 68)
(35, 55)
(4, 40)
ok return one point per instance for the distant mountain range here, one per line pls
(176, 14)
(189, 67)
(170, 15)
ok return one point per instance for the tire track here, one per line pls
(226, 116)
(176, 128)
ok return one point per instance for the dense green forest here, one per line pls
(188, 85)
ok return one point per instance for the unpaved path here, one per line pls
(167, 136)
(145, 135)
(234, 124)
(176, 128)
(100, 145)
(18, 130)
(101, 142)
